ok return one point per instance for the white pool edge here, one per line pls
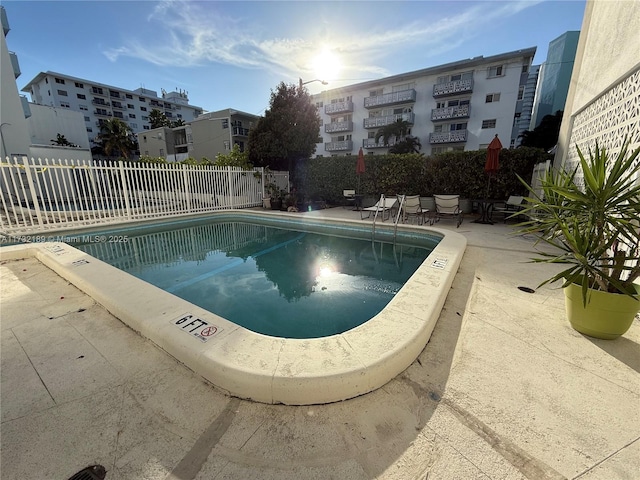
(268, 369)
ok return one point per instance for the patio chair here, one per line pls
(511, 207)
(349, 196)
(447, 206)
(411, 208)
(382, 206)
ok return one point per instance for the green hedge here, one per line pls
(448, 173)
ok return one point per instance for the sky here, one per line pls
(233, 54)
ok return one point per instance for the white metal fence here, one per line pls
(41, 195)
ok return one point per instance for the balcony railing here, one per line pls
(403, 96)
(343, 145)
(378, 122)
(243, 132)
(338, 107)
(100, 102)
(15, 64)
(102, 114)
(453, 88)
(338, 127)
(119, 105)
(448, 137)
(447, 113)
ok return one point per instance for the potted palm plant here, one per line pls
(595, 230)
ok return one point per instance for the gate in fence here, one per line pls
(40, 195)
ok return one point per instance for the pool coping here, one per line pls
(262, 368)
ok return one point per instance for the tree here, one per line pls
(546, 134)
(62, 141)
(399, 131)
(178, 123)
(158, 119)
(116, 138)
(235, 158)
(288, 132)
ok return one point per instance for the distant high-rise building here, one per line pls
(554, 77)
(457, 106)
(98, 102)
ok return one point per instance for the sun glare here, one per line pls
(326, 65)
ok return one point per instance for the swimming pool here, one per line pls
(265, 368)
(275, 281)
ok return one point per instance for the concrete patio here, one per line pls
(505, 389)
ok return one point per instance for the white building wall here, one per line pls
(14, 132)
(603, 103)
(46, 122)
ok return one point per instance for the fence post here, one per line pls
(32, 190)
(229, 185)
(125, 191)
(186, 187)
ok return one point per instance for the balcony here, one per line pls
(155, 103)
(379, 122)
(113, 94)
(119, 105)
(15, 64)
(342, 146)
(335, 127)
(338, 107)
(102, 113)
(239, 131)
(455, 136)
(403, 96)
(25, 106)
(371, 143)
(453, 88)
(100, 102)
(448, 113)
(5, 22)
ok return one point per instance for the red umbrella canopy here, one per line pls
(493, 151)
(360, 165)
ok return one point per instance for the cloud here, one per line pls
(197, 36)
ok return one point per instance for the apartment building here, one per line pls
(456, 106)
(98, 102)
(207, 136)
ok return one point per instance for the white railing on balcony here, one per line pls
(51, 195)
(459, 111)
(377, 122)
(338, 107)
(334, 127)
(454, 87)
(343, 145)
(371, 143)
(448, 137)
(403, 96)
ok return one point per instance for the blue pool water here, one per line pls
(274, 281)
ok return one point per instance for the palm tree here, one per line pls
(116, 136)
(399, 130)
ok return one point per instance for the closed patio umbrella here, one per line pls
(493, 152)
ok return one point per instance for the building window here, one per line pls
(83, 107)
(87, 119)
(225, 123)
(130, 105)
(492, 97)
(132, 115)
(89, 129)
(129, 96)
(62, 93)
(146, 127)
(144, 118)
(79, 85)
(226, 144)
(489, 123)
(46, 80)
(525, 69)
(516, 118)
(521, 92)
(458, 126)
(141, 99)
(319, 105)
(59, 80)
(162, 152)
(144, 109)
(81, 96)
(179, 115)
(495, 71)
(64, 104)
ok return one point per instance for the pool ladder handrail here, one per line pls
(396, 220)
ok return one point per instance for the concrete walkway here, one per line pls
(505, 389)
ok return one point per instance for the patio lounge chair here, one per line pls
(382, 206)
(411, 208)
(447, 206)
(350, 196)
(512, 206)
